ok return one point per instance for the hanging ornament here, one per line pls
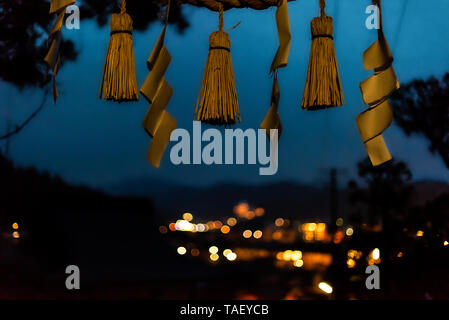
(119, 74)
(272, 119)
(158, 123)
(323, 87)
(376, 91)
(53, 58)
(217, 102)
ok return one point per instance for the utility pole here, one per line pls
(333, 207)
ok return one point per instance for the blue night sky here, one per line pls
(96, 143)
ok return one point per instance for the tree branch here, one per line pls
(27, 120)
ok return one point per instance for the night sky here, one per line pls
(96, 143)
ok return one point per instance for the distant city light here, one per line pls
(15, 226)
(296, 255)
(225, 229)
(376, 254)
(213, 250)
(163, 229)
(247, 234)
(187, 216)
(214, 257)
(351, 263)
(339, 222)
(338, 236)
(325, 287)
(184, 225)
(231, 256)
(182, 250)
(277, 235)
(259, 212)
(400, 254)
(420, 233)
(232, 221)
(349, 232)
(16, 235)
(287, 255)
(279, 222)
(298, 263)
(257, 234)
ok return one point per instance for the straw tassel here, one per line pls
(323, 87)
(217, 102)
(119, 74)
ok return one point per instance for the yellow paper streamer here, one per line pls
(158, 123)
(376, 91)
(53, 56)
(272, 119)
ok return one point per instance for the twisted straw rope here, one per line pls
(376, 91)
(215, 5)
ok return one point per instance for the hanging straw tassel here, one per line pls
(323, 87)
(217, 102)
(119, 73)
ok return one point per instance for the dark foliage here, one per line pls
(49, 210)
(388, 189)
(25, 24)
(422, 107)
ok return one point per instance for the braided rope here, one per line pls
(322, 7)
(215, 5)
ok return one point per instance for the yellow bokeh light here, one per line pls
(420, 233)
(445, 243)
(16, 235)
(214, 257)
(349, 232)
(350, 263)
(15, 226)
(182, 251)
(376, 254)
(231, 256)
(247, 234)
(225, 229)
(296, 255)
(311, 226)
(232, 221)
(257, 234)
(280, 256)
(325, 287)
(226, 252)
(287, 255)
(187, 216)
(279, 222)
(213, 249)
(339, 222)
(298, 263)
